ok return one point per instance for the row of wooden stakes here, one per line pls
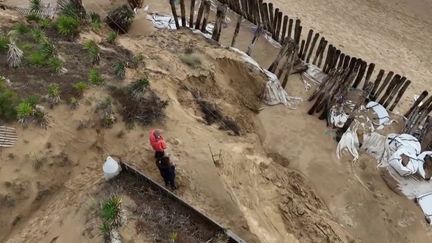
(387, 88)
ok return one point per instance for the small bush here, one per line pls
(21, 28)
(112, 36)
(110, 210)
(36, 58)
(93, 50)
(24, 111)
(67, 25)
(120, 70)
(8, 102)
(55, 64)
(73, 103)
(45, 23)
(53, 94)
(120, 19)
(38, 35)
(15, 55)
(95, 77)
(33, 17)
(95, 21)
(35, 7)
(106, 113)
(47, 49)
(69, 8)
(4, 41)
(138, 87)
(80, 87)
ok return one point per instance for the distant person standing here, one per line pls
(167, 170)
(158, 143)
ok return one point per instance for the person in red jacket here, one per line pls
(158, 144)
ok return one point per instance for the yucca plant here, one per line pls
(47, 49)
(55, 64)
(93, 51)
(120, 70)
(95, 77)
(24, 112)
(38, 35)
(73, 8)
(14, 55)
(53, 94)
(35, 7)
(45, 23)
(21, 28)
(137, 88)
(80, 87)
(112, 36)
(95, 21)
(120, 19)
(110, 210)
(67, 25)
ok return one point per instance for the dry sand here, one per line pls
(282, 184)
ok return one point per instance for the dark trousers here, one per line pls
(168, 174)
(159, 155)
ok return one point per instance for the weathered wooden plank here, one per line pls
(290, 28)
(278, 26)
(199, 15)
(391, 85)
(360, 75)
(377, 82)
(319, 49)
(183, 12)
(400, 94)
(322, 53)
(207, 5)
(417, 103)
(174, 12)
(237, 29)
(284, 28)
(306, 48)
(383, 86)
(297, 33)
(309, 55)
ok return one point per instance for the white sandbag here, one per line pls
(337, 116)
(111, 168)
(425, 202)
(380, 111)
(421, 159)
(374, 145)
(349, 142)
(410, 168)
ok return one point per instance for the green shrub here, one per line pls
(68, 8)
(80, 87)
(8, 102)
(95, 77)
(21, 28)
(55, 64)
(67, 25)
(120, 70)
(4, 41)
(33, 17)
(93, 50)
(110, 210)
(47, 49)
(95, 21)
(53, 94)
(32, 100)
(35, 7)
(45, 23)
(139, 86)
(112, 36)
(24, 111)
(38, 35)
(36, 58)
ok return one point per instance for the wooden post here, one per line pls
(254, 40)
(377, 82)
(341, 60)
(275, 21)
(346, 61)
(191, 14)
(290, 27)
(284, 28)
(297, 32)
(369, 74)
(417, 102)
(394, 91)
(278, 27)
(319, 49)
(335, 58)
(383, 86)
(360, 75)
(183, 13)
(301, 48)
(207, 5)
(266, 21)
(237, 29)
(322, 53)
(260, 13)
(312, 47)
(400, 94)
(271, 17)
(220, 16)
(174, 12)
(292, 59)
(199, 16)
(392, 84)
(308, 40)
(329, 55)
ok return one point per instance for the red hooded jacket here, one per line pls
(157, 143)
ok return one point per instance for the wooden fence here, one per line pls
(344, 71)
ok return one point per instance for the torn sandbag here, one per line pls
(314, 74)
(425, 203)
(338, 116)
(383, 117)
(374, 144)
(349, 142)
(425, 166)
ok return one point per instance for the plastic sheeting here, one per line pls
(338, 117)
(349, 143)
(374, 144)
(425, 202)
(167, 22)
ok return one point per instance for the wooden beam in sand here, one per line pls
(308, 40)
(390, 87)
(220, 16)
(183, 12)
(309, 55)
(318, 51)
(417, 103)
(394, 91)
(266, 19)
(207, 5)
(321, 55)
(341, 60)
(290, 28)
(400, 94)
(278, 27)
(369, 74)
(174, 12)
(237, 29)
(284, 28)
(199, 15)
(377, 82)
(346, 61)
(271, 17)
(191, 14)
(297, 31)
(383, 85)
(257, 34)
(360, 75)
